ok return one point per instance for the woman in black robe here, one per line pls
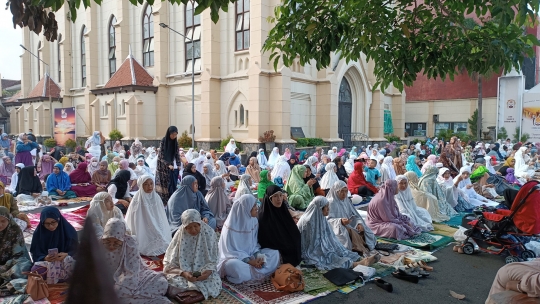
(190, 169)
(167, 166)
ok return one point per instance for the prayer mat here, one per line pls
(444, 230)
(57, 293)
(155, 263)
(74, 217)
(424, 240)
(267, 293)
(316, 283)
(455, 221)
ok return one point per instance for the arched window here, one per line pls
(241, 115)
(83, 57)
(193, 34)
(59, 58)
(242, 25)
(38, 61)
(112, 46)
(148, 37)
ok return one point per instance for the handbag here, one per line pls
(190, 297)
(499, 182)
(342, 276)
(36, 286)
(288, 278)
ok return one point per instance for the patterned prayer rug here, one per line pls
(266, 293)
(424, 240)
(444, 230)
(75, 217)
(155, 263)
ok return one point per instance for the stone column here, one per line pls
(26, 66)
(398, 114)
(92, 68)
(376, 117)
(161, 66)
(208, 131)
(122, 28)
(66, 47)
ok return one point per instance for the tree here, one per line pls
(473, 124)
(402, 37)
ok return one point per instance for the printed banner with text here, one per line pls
(531, 114)
(510, 103)
(64, 125)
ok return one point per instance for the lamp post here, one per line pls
(163, 25)
(48, 89)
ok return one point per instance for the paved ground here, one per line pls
(468, 275)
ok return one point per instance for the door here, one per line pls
(345, 112)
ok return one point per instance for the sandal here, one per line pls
(420, 264)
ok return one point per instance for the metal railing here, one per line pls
(355, 139)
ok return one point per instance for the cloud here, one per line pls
(10, 62)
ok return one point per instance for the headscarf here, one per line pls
(412, 166)
(273, 158)
(357, 179)
(28, 183)
(384, 217)
(147, 220)
(508, 162)
(80, 175)
(231, 146)
(170, 146)
(102, 175)
(200, 178)
(222, 168)
(12, 246)
(330, 177)
(98, 213)
(291, 164)
(189, 154)
(4, 141)
(254, 170)
(299, 193)
(277, 229)
(431, 161)
(344, 209)
(194, 253)
(238, 239)
(60, 181)
(263, 184)
(353, 153)
(253, 154)
(68, 168)
(217, 200)
(210, 175)
(243, 186)
(281, 168)
(233, 170)
(407, 206)
(521, 165)
(91, 167)
(225, 157)
(261, 159)
(121, 182)
(302, 156)
(312, 162)
(185, 198)
(388, 166)
(117, 147)
(64, 237)
(320, 247)
(7, 169)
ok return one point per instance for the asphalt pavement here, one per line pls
(470, 275)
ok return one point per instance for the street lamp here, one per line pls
(49, 87)
(163, 25)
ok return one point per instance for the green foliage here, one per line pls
(71, 144)
(115, 135)
(416, 140)
(473, 122)
(434, 37)
(49, 143)
(392, 138)
(445, 134)
(464, 136)
(184, 140)
(309, 142)
(502, 134)
(523, 138)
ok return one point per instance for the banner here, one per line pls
(510, 94)
(64, 125)
(531, 114)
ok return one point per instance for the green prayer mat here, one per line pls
(455, 221)
(424, 240)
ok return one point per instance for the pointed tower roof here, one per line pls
(131, 76)
(46, 88)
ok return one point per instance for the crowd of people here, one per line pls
(288, 208)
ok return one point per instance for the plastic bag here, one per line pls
(459, 235)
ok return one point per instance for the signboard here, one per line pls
(297, 132)
(509, 103)
(64, 125)
(531, 114)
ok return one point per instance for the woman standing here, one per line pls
(22, 150)
(451, 156)
(167, 166)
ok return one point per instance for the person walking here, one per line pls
(167, 166)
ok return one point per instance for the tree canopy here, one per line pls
(402, 37)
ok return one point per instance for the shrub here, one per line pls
(445, 134)
(49, 143)
(115, 135)
(465, 137)
(416, 140)
(391, 138)
(225, 141)
(313, 142)
(268, 136)
(524, 137)
(71, 144)
(184, 140)
(502, 134)
(302, 142)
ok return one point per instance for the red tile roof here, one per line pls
(46, 87)
(14, 97)
(130, 73)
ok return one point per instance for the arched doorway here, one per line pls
(345, 110)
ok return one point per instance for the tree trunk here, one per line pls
(479, 119)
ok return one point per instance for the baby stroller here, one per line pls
(499, 232)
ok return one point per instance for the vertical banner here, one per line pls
(509, 103)
(531, 114)
(64, 125)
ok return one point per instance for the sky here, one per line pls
(10, 62)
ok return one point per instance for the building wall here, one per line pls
(296, 96)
